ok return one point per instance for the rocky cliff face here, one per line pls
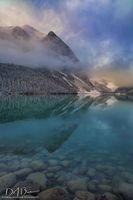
(21, 80)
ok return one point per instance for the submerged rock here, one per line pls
(105, 188)
(38, 178)
(84, 195)
(3, 167)
(38, 165)
(91, 172)
(7, 181)
(54, 169)
(100, 167)
(23, 172)
(127, 176)
(54, 194)
(77, 184)
(50, 174)
(53, 162)
(14, 166)
(91, 186)
(2, 173)
(126, 189)
(65, 163)
(110, 196)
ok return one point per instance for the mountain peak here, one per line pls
(52, 34)
(55, 44)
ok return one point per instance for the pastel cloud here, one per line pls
(104, 22)
(17, 13)
(99, 31)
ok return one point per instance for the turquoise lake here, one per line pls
(69, 138)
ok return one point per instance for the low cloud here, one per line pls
(33, 54)
(18, 13)
(99, 31)
(107, 29)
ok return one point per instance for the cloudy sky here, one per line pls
(99, 31)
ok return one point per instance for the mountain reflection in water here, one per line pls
(39, 107)
(69, 138)
(29, 124)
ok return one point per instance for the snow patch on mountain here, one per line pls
(112, 86)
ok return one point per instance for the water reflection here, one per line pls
(47, 122)
(68, 138)
(19, 108)
(41, 122)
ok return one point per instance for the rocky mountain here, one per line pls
(15, 79)
(100, 86)
(124, 93)
(27, 39)
(125, 90)
(24, 79)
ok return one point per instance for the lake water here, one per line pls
(74, 142)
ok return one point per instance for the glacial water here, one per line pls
(77, 142)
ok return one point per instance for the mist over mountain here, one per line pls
(58, 68)
(35, 63)
(27, 46)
